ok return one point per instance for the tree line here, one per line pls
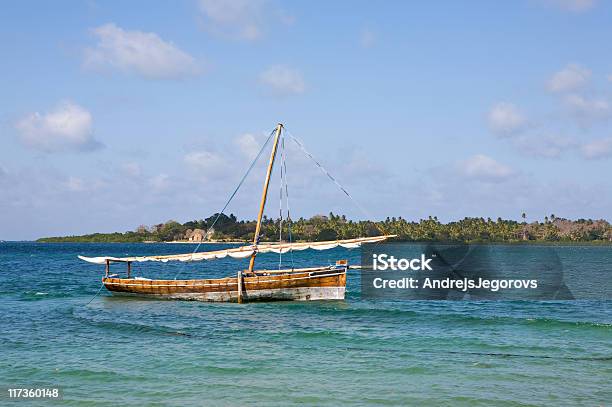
(332, 227)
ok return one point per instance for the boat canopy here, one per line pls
(244, 251)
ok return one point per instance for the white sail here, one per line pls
(244, 251)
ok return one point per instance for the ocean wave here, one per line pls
(128, 326)
(42, 295)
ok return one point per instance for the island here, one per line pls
(330, 227)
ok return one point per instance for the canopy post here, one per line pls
(129, 269)
(264, 195)
(239, 280)
(107, 268)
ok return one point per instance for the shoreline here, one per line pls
(207, 242)
(519, 243)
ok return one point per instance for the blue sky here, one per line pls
(116, 114)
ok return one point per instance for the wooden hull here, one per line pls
(311, 284)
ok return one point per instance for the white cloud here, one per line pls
(67, 127)
(242, 19)
(160, 182)
(248, 145)
(205, 163)
(588, 109)
(78, 184)
(576, 6)
(484, 168)
(584, 107)
(505, 119)
(138, 52)
(601, 148)
(548, 146)
(367, 38)
(283, 80)
(570, 78)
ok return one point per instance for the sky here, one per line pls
(116, 114)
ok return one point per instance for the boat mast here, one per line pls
(264, 194)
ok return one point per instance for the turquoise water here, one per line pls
(129, 351)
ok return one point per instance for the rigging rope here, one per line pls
(335, 181)
(284, 191)
(283, 175)
(280, 208)
(92, 298)
(280, 214)
(246, 174)
(284, 165)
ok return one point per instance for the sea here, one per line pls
(61, 329)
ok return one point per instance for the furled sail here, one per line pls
(244, 251)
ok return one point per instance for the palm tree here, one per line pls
(524, 216)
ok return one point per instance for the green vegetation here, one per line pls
(228, 228)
